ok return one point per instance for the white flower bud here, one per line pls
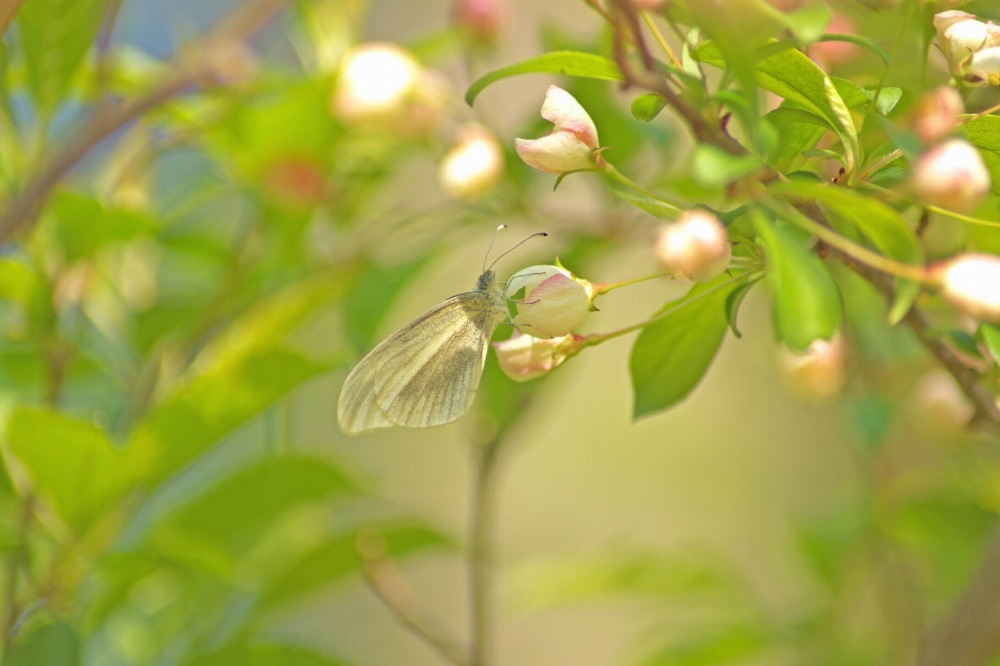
(971, 283)
(984, 68)
(554, 301)
(696, 246)
(935, 115)
(819, 372)
(523, 357)
(951, 176)
(473, 165)
(572, 143)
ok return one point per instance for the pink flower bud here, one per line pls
(572, 143)
(819, 372)
(951, 176)
(523, 357)
(696, 246)
(482, 18)
(935, 115)
(971, 283)
(554, 301)
(473, 165)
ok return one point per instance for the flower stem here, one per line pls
(614, 175)
(600, 289)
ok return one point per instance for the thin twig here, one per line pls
(399, 599)
(481, 551)
(240, 25)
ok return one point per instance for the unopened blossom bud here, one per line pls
(951, 176)
(818, 373)
(554, 302)
(523, 357)
(971, 283)
(961, 35)
(935, 115)
(984, 68)
(381, 84)
(696, 246)
(940, 405)
(473, 165)
(571, 145)
(481, 18)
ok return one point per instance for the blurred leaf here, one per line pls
(55, 36)
(871, 418)
(733, 303)
(714, 167)
(272, 654)
(984, 134)
(991, 336)
(883, 226)
(807, 23)
(567, 63)
(374, 290)
(731, 645)
(806, 303)
(646, 107)
(72, 465)
(21, 284)
(672, 354)
(83, 225)
(798, 131)
(240, 374)
(337, 557)
(859, 40)
(826, 542)
(237, 510)
(50, 645)
(685, 578)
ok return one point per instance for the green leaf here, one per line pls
(794, 77)
(244, 371)
(21, 284)
(652, 206)
(83, 225)
(734, 644)
(672, 354)
(337, 558)
(798, 131)
(50, 645)
(568, 63)
(991, 336)
(234, 513)
(858, 40)
(714, 167)
(71, 464)
(806, 300)
(984, 134)
(880, 224)
(55, 36)
(647, 107)
(270, 654)
(733, 303)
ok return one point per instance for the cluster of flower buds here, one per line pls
(971, 47)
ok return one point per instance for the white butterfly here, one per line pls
(427, 373)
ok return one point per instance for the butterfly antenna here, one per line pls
(494, 240)
(538, 233)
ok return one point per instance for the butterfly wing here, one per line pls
(425, 374)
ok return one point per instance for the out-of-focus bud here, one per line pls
(817, 374)
(648, 5)
(831, 53)
(940, 404)
(951, 176)
(381, 84)
(971, 283)
(554, 301)
(961, 35)
(696, 246)
(572, 144)
(984, 68)
(295, 181)
(483, 19)
(935, 115)
(473, 165)
(523, 357)
(229, 63)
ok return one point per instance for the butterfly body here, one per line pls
(427, 373)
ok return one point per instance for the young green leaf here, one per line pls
(672, 354)
(984, 134)
(55, 644)
(806, 300)
(567, 63)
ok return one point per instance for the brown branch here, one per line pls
(399, 599)
(8, 9)
(244, 21)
